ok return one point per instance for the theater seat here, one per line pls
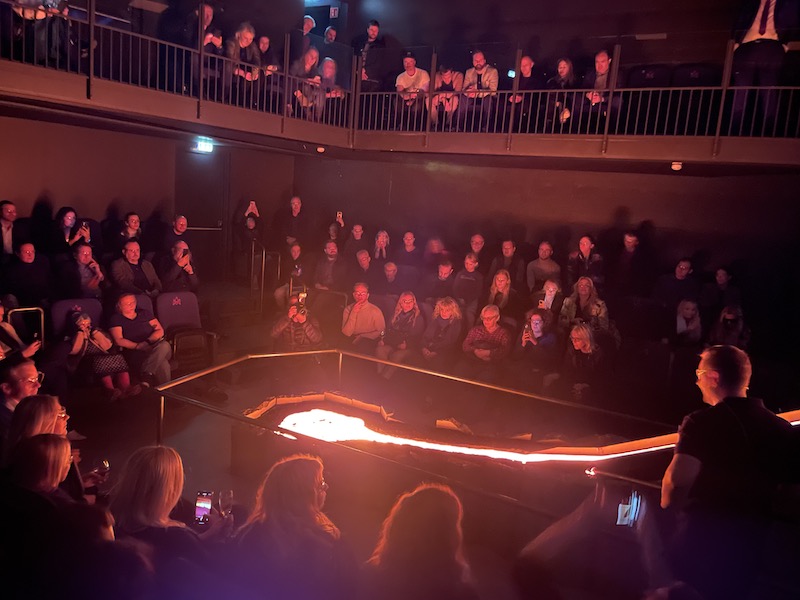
(62, 310)
(645, 109)
(193, 347)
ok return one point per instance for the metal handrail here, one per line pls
(27, 309)
(593, 472)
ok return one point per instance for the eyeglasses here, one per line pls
(33, 380)
(699, 372)
(62, 413)
(323, 486)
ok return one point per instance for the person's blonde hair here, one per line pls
(40, 462)
(593, 295)
(421, 537)
(584, 332)
(33, 415)
(398, 308)
(493, 288)
(288, 500)
(150, 487)
(447, 302)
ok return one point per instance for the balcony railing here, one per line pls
(70, 44)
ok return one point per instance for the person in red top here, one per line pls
(485, 347)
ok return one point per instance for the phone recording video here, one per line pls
(202, 507)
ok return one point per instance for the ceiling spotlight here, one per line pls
(320, 149)
(676, 166)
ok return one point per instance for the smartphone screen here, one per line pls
(202, 507)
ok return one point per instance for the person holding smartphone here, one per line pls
(296, 330)
(176, 271)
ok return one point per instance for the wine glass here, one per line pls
(225, 502)
(101, 468)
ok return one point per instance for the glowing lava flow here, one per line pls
(332, 427)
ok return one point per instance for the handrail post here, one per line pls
(612, 85)
(357, 97)
(263, 282)
(726, 79)
(200, 56)
(351, 134)
(92, 41)
(514, 90)
(429, 97)
(340, 370)
(160, 422)
(287, 101)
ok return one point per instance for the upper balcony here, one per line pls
(87, 70)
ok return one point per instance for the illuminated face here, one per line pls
(526, 65)
(537, 325)
(62, 417)
(447, 76)
(501, 282)
(445, 271)
(689, 311)
(68, 220)
(296, 204)
(84, 255)
(408, 239)
(479, 61)
(245, 38)
(331, 249)
(585, 245)
(330, 35)
(25, 381)
(250, 223)
(601, 63)
(133, 222)
(508, 249)
(358, 231)
(390, 270)
(682, 269)
(132, 252)
(563, 69)
(27, 253)
(580, 343)
(372, 33)
(329, 70)
(545, 251)
(127, 304)
(584, 286)
(308, 25)
(476, 242)
(181, 224)
(312, 56)
(382, 239)
(9, 213)
(445, 312)
(489, 320)
(470, 264)
(722, 277)
(435, 246)
(406, 302)
(630, 242)
(409, 64)
(360, 293)
(263, 44)
(294, 251)
(208, 15)
(177, 249)
(363, 259)
(550, 289)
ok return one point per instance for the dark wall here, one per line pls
(696, 30)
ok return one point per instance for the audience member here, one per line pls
(468, 287)
(543, 268)
(294, 226)
(28, 278)
(410, 255)
(141, 338)
(67, 232)
(268, 59)
(297, 330)
(583, 368)
(404, 334)
(485, 347)
(549, 298)
(526, 101)
(439, 285)
(380, 250)
(420, 551)
(131, 229)
(595, 103)
(447, 85)
(729, 461)
(483, 258)
(503, 296)
(730, 329)
(536, 348)
(435, 254)
(177, 271)
(244, 65)
(355, 242)
(329, 36)
(688, 330)
(716, 295)
(18, 379)
(40, 463)
(632, 271)
(512, 262)
(362, 322)
(585, 262)
(10, 342)
(365, 271)
(306, 90)
(288, 544)
(331, 272)
(82, 277)
(133, 275)
(368, 47)
(175, 234)
(478, 94)
(296, 276)
(584, 306)
(392, 282)
(680, 285)
(559, 104)
(330, 108)
(92, 353)
(14, 234)
(440, 340)
(412, 88)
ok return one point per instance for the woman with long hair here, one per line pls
(559, 104)
(730, 329)
(506, 298)
(289, 548)
(305, 69)
(584, 306)
(40, 464)
(68, 230)
(403, 334)
(420, 551)
(583, 368)
(688, 327)
(381, 249)
(535, 350)
(440, 340)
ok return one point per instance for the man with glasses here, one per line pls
(485, 347)
(18, 379)
(363, 322)
(730, 459)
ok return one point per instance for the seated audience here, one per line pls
(362, 322)
(18, 379)
(583, 368)
(141, 338)
(585, 262)
(503, 296)
(147, 491)
(381, 248)
(296, 275)
(410, 255)
(175, 234)
(477, 245)
(549, 298)
(132, 274)
(420, 551)
(67, 231)
(543, 268)
(288, 544)
(485, 347)
(14, 234)
(392, 283)
(526, 101)
(435, 253)
(478, 95)
(131, 229)
(439, 285)
(355, 242)
(177, 271)
(331, 272)
(82, 277)
(297, 330)
(440, 340)
(536, 348)
(468, 287)
(716, 295)
(28, 278)
(584, 306)
(412, 87)
(512, 263)
(632, 271)
(403, 335)
(447, 85)
(688, 329)
(595, 104)
(40, 463)
(559, 105)
(680, 285)
(92, 354)
(730, 329)
(365, 271)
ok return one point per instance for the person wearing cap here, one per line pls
(412, 86)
